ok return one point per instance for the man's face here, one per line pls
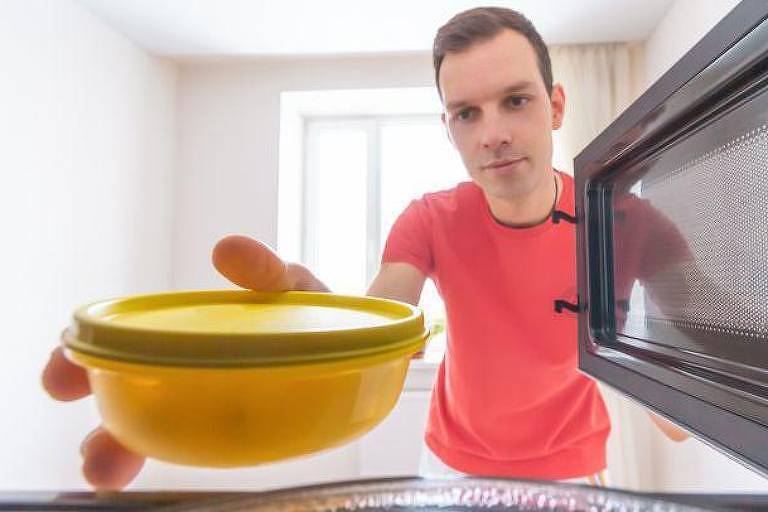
(499, 116)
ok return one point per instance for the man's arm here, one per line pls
(398, 281)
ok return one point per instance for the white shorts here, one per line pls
(430, 466)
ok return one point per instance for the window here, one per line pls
(359, 170)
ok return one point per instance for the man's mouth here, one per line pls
(503, 164)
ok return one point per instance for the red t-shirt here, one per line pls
(509, 399)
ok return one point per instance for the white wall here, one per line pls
(229, 120)
(691, 466)
(86, 131)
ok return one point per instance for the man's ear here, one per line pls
(445, 126)
(557, 100)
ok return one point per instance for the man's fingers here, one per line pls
(64, 380)
(250, 264)
(107, 465)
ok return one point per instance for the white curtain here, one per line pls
(600, 81)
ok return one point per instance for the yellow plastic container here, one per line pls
(237, 378)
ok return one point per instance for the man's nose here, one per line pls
(495, 132)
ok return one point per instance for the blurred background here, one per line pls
(135, 134)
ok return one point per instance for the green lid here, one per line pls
(244, 328)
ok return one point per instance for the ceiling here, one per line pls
(241, 28)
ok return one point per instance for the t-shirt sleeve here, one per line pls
(647, 246)
(676, 250)
(410, 239)
(664, 246)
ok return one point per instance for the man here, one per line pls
(508, 399)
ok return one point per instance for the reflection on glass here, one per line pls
(690, 241)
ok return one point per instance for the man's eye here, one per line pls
(517, 101)
(464, 114)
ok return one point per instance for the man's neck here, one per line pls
(531, 209)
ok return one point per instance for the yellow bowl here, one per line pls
(238, 378)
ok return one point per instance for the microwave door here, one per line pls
(672, 209)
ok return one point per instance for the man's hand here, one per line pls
(251, 264)
(671, 430)
(106, 464)
(247, 263)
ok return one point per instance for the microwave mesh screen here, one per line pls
(690, 238)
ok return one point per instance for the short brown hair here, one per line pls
(481, 24)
